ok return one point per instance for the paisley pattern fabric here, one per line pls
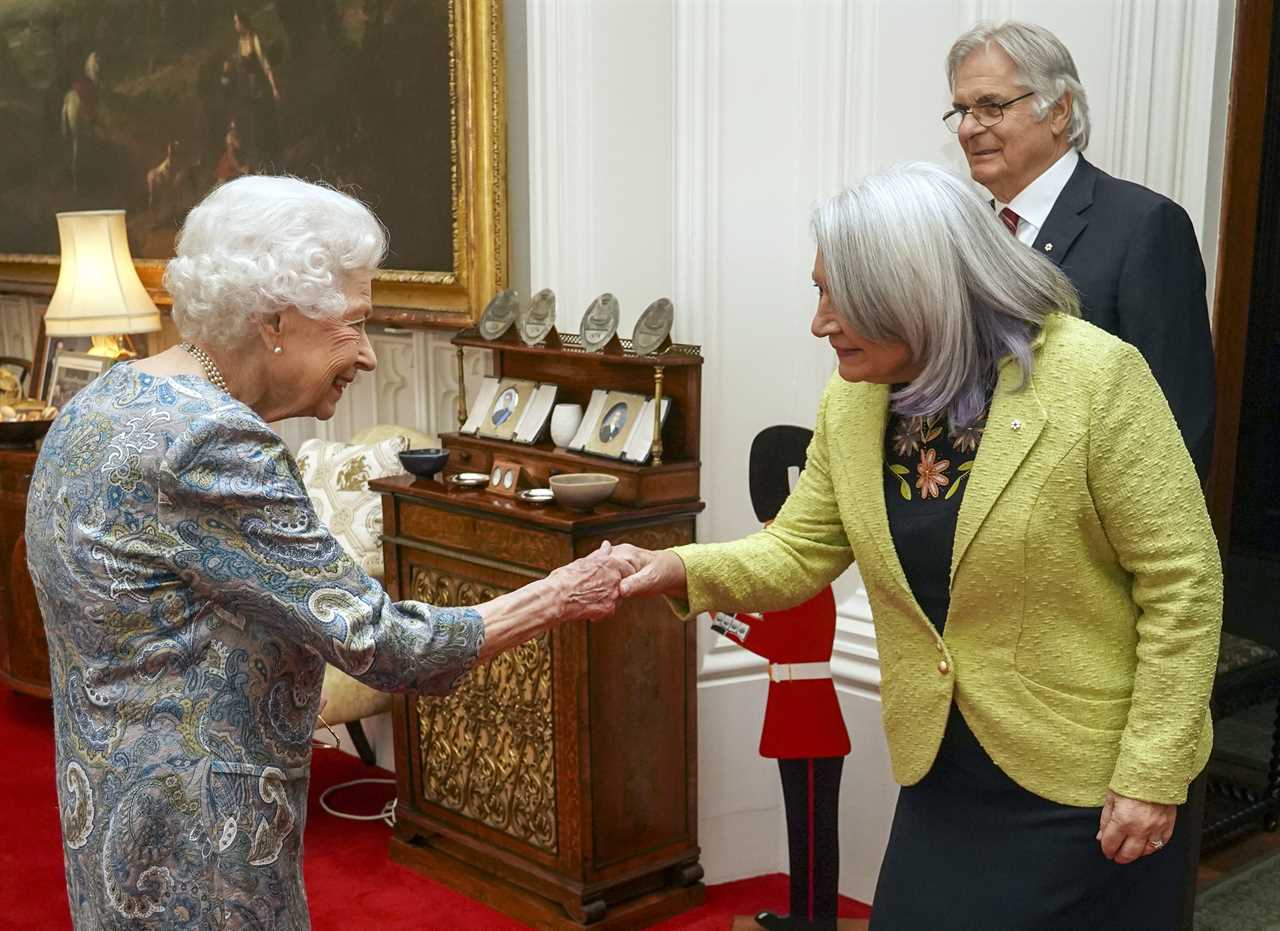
(191, 599)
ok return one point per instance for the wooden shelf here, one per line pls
(676, 354)
(577, 373)
(638, 485)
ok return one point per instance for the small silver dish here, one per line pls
(469, 479)
(537, 496)
(653, 329)
(499, 314)
(536, 320)
(599, 323)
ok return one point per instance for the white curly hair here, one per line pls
(260, 243)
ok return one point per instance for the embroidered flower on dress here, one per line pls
(932, 472)
(906, 436)
(966, 439)
(911, 433)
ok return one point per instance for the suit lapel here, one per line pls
(1014, 424)
(1065, 223)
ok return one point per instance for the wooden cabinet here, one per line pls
(559, 782)
(24, 655)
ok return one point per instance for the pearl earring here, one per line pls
(278, 350)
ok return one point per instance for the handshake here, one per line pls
(591, 587)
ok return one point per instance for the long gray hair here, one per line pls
(913, 255)
(1044, 65)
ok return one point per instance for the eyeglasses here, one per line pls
(987, 114)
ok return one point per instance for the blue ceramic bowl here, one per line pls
(424, 463)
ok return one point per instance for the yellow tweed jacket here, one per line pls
(1086, 588)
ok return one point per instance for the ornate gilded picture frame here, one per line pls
(146, 105)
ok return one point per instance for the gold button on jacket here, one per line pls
(1086, 588)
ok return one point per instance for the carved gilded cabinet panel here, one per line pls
(488, 748)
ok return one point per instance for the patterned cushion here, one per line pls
(337, 478)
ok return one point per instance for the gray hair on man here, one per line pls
(259, 244)
(1044, 65)
(913, 255)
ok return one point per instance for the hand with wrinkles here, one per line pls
(589, 588)
(1130, 828)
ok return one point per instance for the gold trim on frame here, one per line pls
(478, 132)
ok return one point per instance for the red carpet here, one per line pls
(350, 881)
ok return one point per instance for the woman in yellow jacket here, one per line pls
(1043, 576)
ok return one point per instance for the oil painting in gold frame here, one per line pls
(147, 104)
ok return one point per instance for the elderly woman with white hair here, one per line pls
(191, 597)
(1042, 573)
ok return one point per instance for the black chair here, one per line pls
(773, 452)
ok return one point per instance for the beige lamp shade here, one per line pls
(98, 292)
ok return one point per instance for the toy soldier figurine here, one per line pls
(805, 732)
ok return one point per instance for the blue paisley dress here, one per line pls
(191, 600)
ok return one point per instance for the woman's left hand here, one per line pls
(1130, 828)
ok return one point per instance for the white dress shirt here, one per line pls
(1033, 203)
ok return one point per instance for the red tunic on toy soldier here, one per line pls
(805, 732)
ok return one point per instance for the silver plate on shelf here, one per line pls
(469, 479)
(600, 322)
(499, 314)
(538, 318)
(653, 328)
(537, 496)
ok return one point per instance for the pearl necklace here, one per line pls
(210, 370)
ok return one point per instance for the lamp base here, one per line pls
(112, 347)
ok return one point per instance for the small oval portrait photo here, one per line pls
(504, 406)
(613, 422)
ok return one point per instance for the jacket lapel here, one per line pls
(1065, 224)
(866, 458)
(1014, 423)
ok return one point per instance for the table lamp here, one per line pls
(98, 292)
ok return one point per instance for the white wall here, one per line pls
(675, 148)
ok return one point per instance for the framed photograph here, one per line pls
(506, 408)
(536, 416)
(47, 352)
(148, 105)
(617, 418)
(640, 447)
(71, 371)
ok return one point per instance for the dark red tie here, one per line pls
(1010, 220)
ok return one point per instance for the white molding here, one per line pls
(695, 240)
(696, 144)
(561, 148)
(1160, 128)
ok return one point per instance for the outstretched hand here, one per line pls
(590, 587)
(652, 572)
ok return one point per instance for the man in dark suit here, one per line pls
(1022, 119)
